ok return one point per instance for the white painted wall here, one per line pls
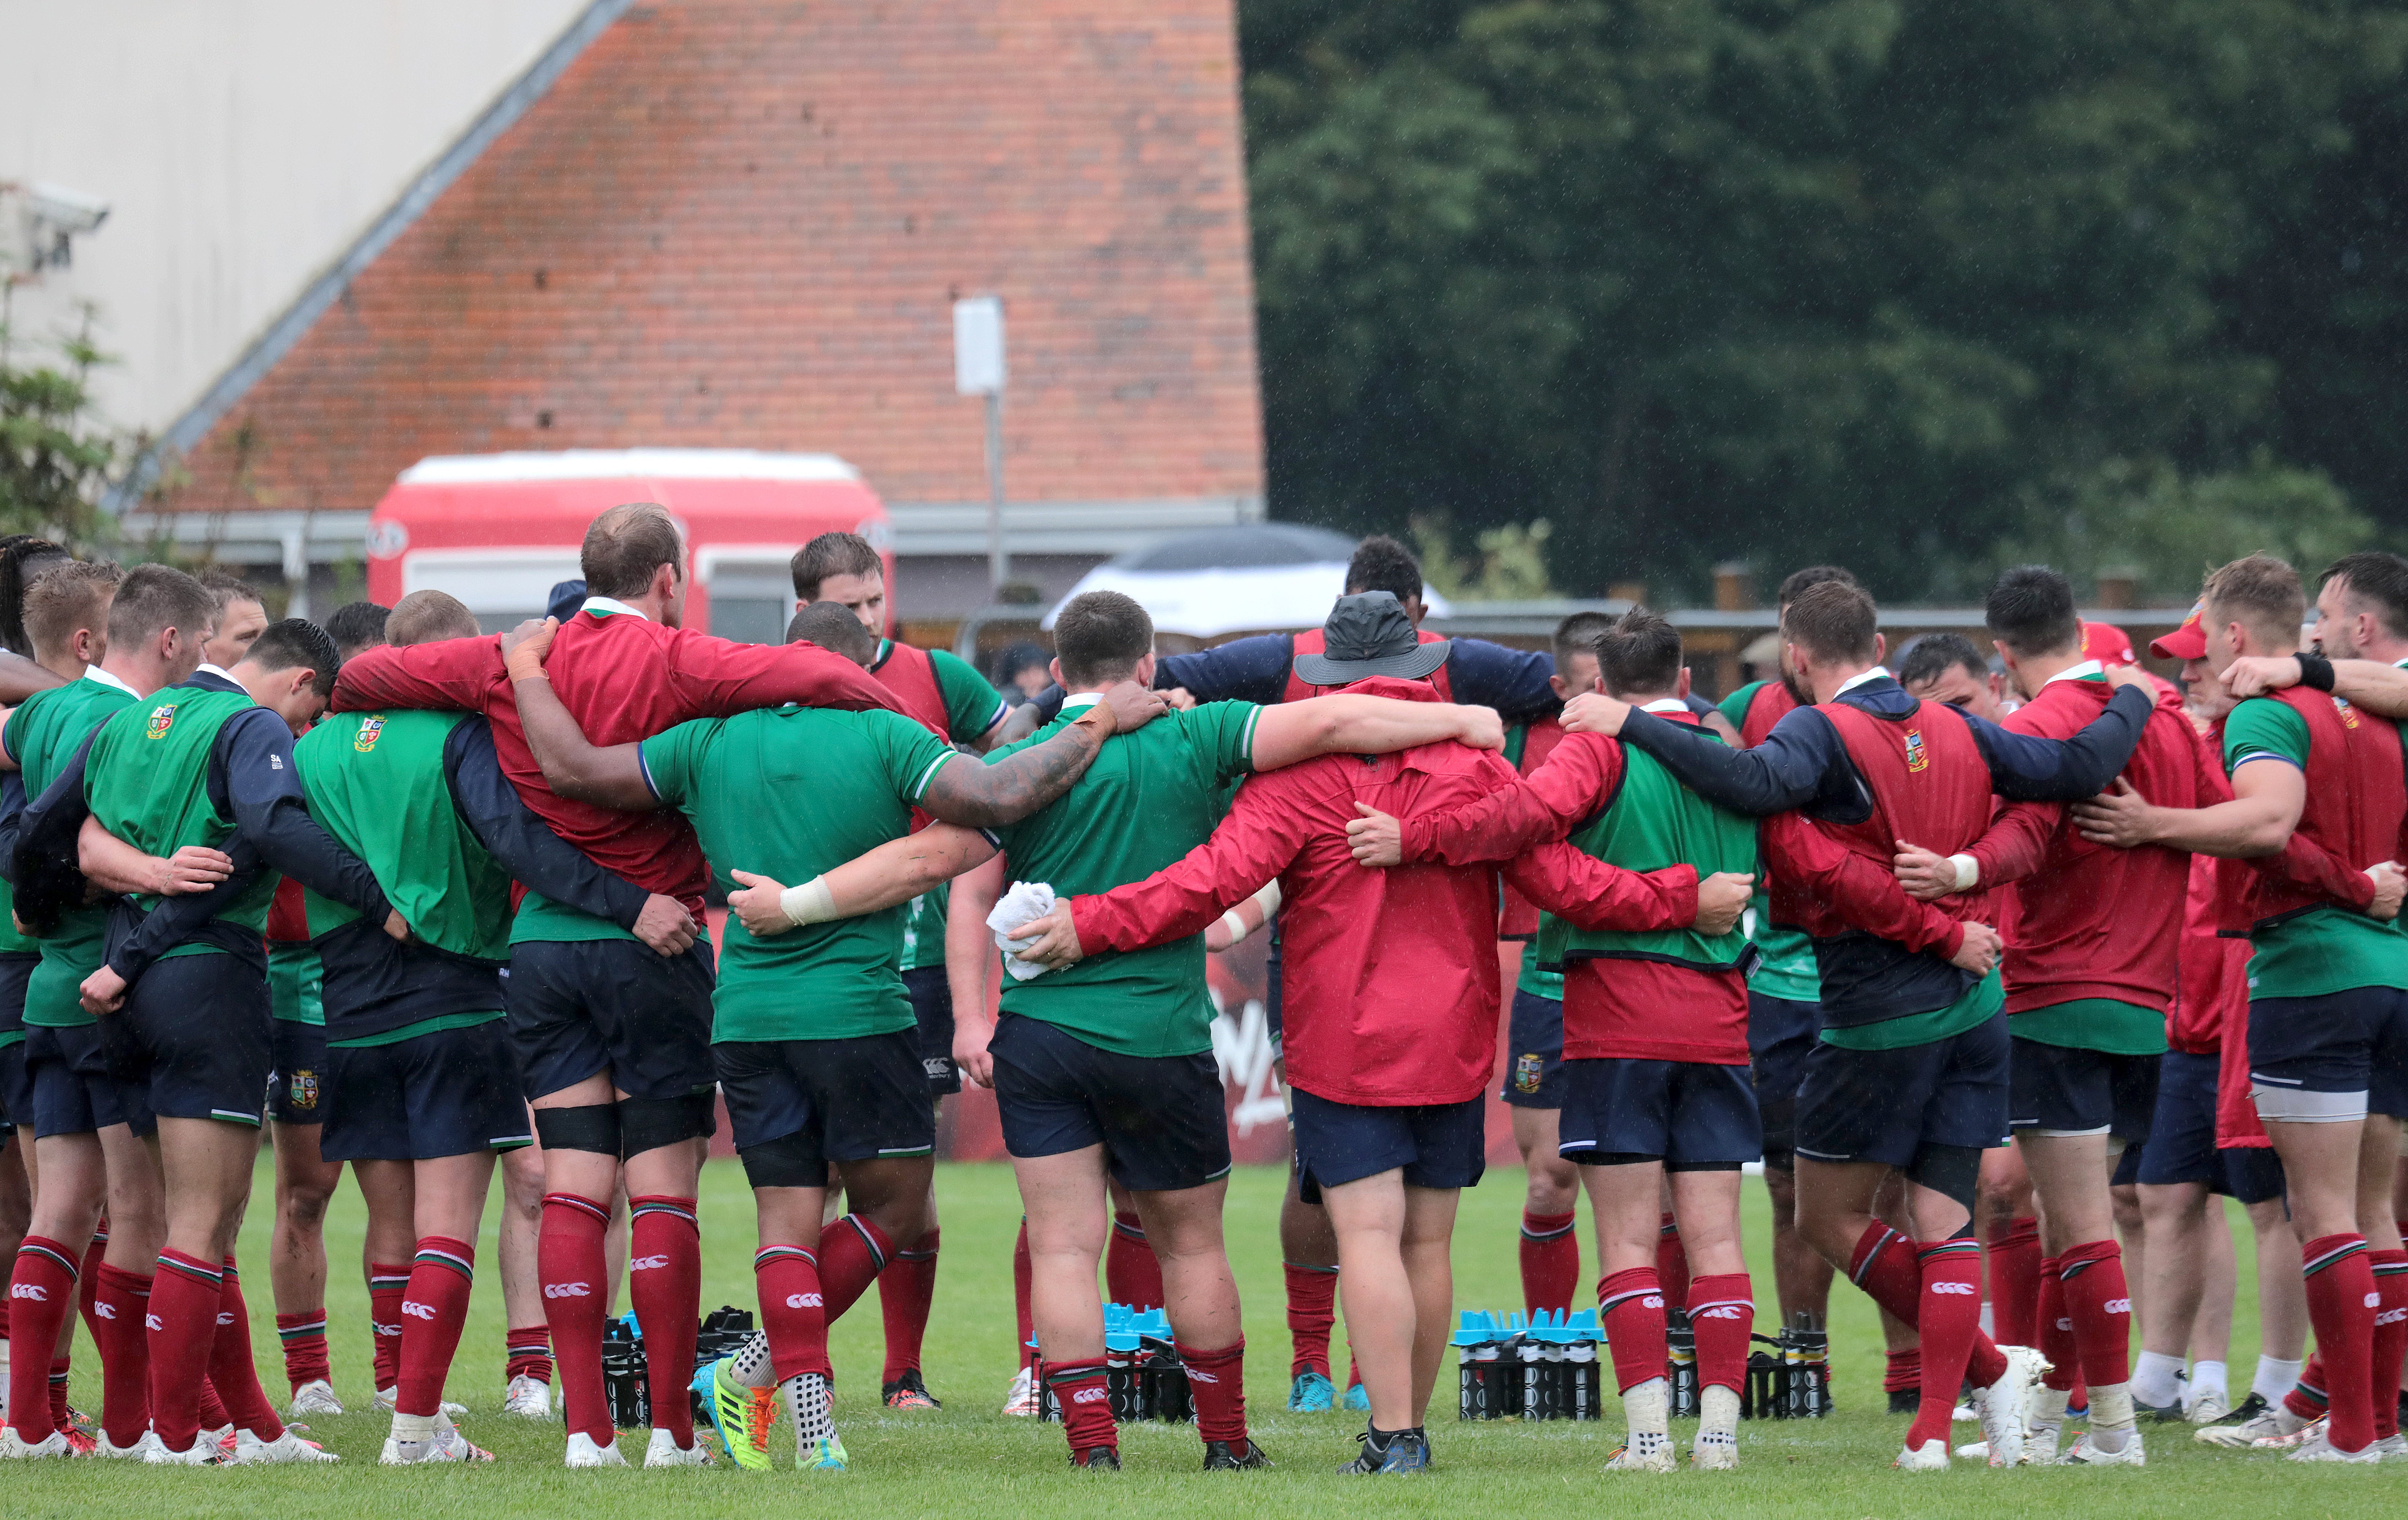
(242, 145)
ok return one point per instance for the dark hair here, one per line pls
(833, 627)
(1099, 637)
(358, 626)
(1812, 575)
(423, 617)
(2030, 610)
(1578, 634)
(17, 550)
(2262, 592)
(66, 597)
(1930, 656)
(2379, 578)
(832, 553)
(1641, 655)
(153, 598)
(1382, 563)
(625, 545)
(289, 643)
(1018, 657)
(1832, 620)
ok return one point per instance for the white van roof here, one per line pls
(618, 464)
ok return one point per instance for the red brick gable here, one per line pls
(739, 224)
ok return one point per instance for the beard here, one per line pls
(1796, 688)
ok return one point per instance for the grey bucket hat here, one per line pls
(1368, 634)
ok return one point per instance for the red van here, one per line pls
(498, 530)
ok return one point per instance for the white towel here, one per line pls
(1027, 901)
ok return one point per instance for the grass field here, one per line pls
(969, 1460)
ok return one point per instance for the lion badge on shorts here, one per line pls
(304, 1089)
(1917, 757)
(371, 728)
(163, 718)
(1527, 1070)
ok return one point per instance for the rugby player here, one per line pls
(813, 1034)
(2328, 983)
(241, 617)
(1910, 1068)
(1654, 1038)
(614, 1041)
(947, 696)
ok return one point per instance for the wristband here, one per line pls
(2315, 671)
(1968, 871)
(809, 903)
(1235, 922)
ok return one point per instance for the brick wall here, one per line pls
(741, 224)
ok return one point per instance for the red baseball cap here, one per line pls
(2107, 644)
(2187, 643)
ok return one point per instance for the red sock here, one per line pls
(1022, 1269)
(1721, 1311)
(791, 1313)
(1632, 1307)
(183, 1321)
(118, 1307)
(529, 1348)
(568, 1261)
(1353, 1371)
(88, 1280)
(305, 1346)
(1550, 1261)
(432, 1316)
(42, 1294)
(1885, 1264)
(1217, 1379)
(2390, 1342)
(388, 1284)
(233, 1371)
(2014, 1281)
(1902, 1370)
(2055, 1328)
(213, 1410)
(1312, 1310)
(1132, 1275)
(1086, 1406)
(664, 1283)
(2342, 1303)
(904, 1291)
(1949, 1320)
(2306, 1400)
(60, 1419)
(852, 1252)
(2100, 1307)
(1672, 1264)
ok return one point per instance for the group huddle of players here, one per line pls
(436, 899)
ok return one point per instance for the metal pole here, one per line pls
(999, 560)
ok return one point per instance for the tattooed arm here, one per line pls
(1010, 789)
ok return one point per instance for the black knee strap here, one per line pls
(788, 1161)
(592, 1127)
(1951, 1170)
(647, 1124)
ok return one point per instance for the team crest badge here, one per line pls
(366, 739)
(1527, 1071)
(1917, 758)
(304, 1089)
(163, 718)
(2348, 714)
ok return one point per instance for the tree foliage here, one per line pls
(1891, 282)
(54, 453)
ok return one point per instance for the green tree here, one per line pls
(55, 454)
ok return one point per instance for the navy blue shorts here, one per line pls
(2181, 1137)
(200, 1026)
(16, 1088)
(584, 1007)
(1534, 1072)
(2352, 1041)
(932, 1005)
(454, 1091)
(854, 1099)
(1437, 1144)
(71, 1090)
(1160, 1119)
(1780, 1035)
(2072, 1091)
(297, 1093)
(1690, 1115)
(1889, 1106)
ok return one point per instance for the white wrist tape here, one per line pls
(1268, 898)
(809, 903)
(1235, 922)
(1968, 871)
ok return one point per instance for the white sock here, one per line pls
(807, 1400)
(1987, 1321)
(2111, 1408)
(2155, 1378)
(1717, 1412)
(1648, 1408)
(412, 1428)
(2274, 1378)
(2208, 1378)
(751, 1363)
(2048, 1404)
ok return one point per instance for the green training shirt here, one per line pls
(2328, 948)
(790, 792)
(2094, 1024)
(297, 983)
(43, 737)
(1150, 798)
(1980, 1002)
(1786, 968)
(147, 781)
(971, 707)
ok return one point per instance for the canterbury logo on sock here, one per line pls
(2389, 1316)
(417, 1310)
(803, 1300)
(2118, 1306)
(646, 1264)
(104, 1311)
(35, 1291)
(568, 1290)
(225, 1319)
(388, 1331)
(1089, 1396)
(1966, 1288)
(1193, 1376)
(2373, 1299)
(1728, 1312)
(150, 1322)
